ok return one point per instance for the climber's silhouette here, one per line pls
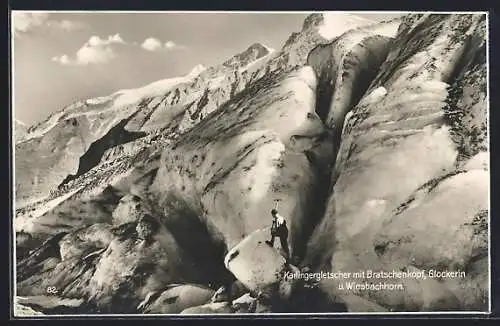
(279, 229)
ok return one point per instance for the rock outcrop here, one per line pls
(115, 268)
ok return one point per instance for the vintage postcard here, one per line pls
(250, 163)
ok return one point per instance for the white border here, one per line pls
(254, 12)
(238, 315)
(13, 172)
(489, 156)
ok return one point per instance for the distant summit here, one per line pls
(254, 52)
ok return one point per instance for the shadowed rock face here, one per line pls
(374, 140)
(346, 68)
(58, 144)
(116, 136)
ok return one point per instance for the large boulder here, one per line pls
(129, 209)
(86, 240)
(115, 268)
(260, 268)
(245, 304)
(133, 266)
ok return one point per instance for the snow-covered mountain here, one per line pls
(19, 129)
(372, 135)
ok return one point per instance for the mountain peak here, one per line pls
(313, 19)
(252, 53)
(259, 47)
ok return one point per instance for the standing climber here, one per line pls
(279, 229)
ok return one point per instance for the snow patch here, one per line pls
(91, 114)
(39, 132)
(435, 86)
(480, 161)
(336, 24)
(157, 88)
(98, 100)
(270, 50)
(25, 223)
(216, 82)
(257, 62)
(375, 96)
(75, 143)
(249, 137)
(197, 70)
(19, 122)
(389, 29)
(260, 177)
(308, 76)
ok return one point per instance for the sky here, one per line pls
(62, 57)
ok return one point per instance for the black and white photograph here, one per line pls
(190, 163)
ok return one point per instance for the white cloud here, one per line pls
(24, 21)
(67, 25)
(94, 54)
(63, 59)
(99, 50)
(97, 41)
(151, 44)
(170, 45)
(95, 51)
